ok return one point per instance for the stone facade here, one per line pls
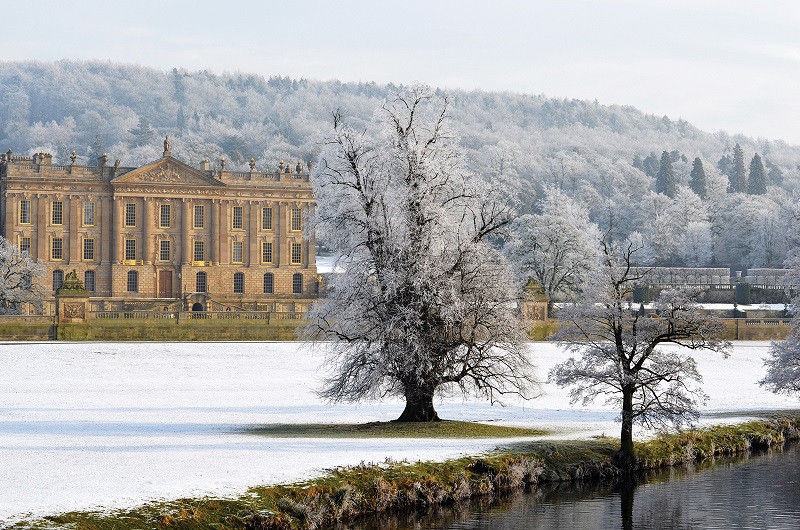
(165, 235)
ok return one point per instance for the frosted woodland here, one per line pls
(696, 198)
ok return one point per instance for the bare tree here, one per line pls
(424, 302)
(783, 363)
(18, 279)
(620, 355)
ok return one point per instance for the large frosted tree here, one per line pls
(619, 354)
(19, 279)
(783, 362)
(424, 303)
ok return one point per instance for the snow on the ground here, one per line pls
(112, 425)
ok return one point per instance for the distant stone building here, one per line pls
(165, 235)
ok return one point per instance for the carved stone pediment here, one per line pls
(165, 172)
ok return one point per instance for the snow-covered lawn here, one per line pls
(109, 425)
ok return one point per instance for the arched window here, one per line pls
(238, 282)
(58, 279)
(88, 280)
(297, 283)
(133, 282)
(200, 282)
(269, 283)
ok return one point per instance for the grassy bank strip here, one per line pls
(436, 429)
(347, 493)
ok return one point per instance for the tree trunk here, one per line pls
(419, 407)
(625, 459)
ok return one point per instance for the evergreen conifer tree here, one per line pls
(665, 181)
(650, 165)
(181, 119)
(737, 175)
(96, 150)
(698, 178)
(774, 173)
(725, 163)
(757, 180)
(143, 134)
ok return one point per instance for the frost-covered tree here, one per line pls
(143, 134)
(557, 247)
(696, 248)
(783, 362)
(19, 279)
(650, 165)
(424, 303)
(619, 354)
(757, 179)
(698, 178)
(737, 176)
(666, 182)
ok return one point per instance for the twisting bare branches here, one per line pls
(424, 302)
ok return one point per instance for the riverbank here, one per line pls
(346, 494)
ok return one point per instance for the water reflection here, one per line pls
(758, 492)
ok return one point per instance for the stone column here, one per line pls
(147, 229)
(252, 229)
(107, 230)
(65, 248)
(281, 241)
(72, 229)
(11, 204)
(214, 221)
(186, 241)
(222, 222)
(42, 252)
(118, 250)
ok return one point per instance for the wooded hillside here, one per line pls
(632, 170)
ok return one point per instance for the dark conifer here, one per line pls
(181, 119)
(650, 164)
(737, 177)
(698, 178)
(143, 134)
(757, 180)
(665, 181)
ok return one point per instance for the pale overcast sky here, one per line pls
(721, 65)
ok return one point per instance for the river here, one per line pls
(758, 492)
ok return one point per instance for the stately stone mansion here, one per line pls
(165, 235)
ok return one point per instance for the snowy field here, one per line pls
(112, 425)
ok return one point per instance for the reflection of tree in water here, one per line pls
(753, 492)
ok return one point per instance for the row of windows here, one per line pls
(201, 282)
(165, 250)
(56, 213)
(165, 216)
(238, 283)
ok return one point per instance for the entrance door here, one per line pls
(165, 284)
